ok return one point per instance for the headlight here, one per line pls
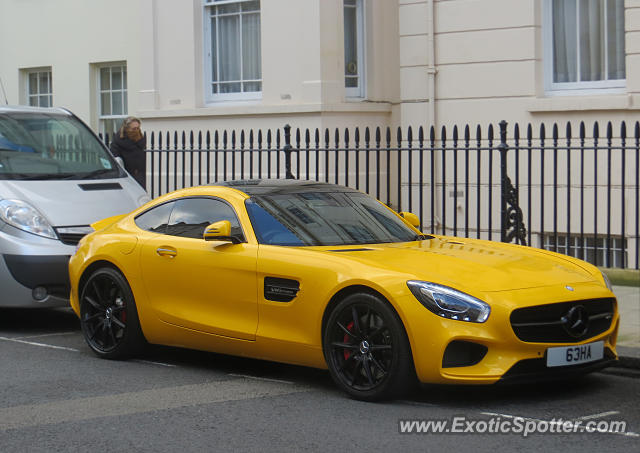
(607, 282)
(25, 217)
(449, 303)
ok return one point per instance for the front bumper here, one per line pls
(491, 352)
(28, 262)
(535, 370)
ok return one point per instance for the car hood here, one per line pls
(468, 263)
(66, 203)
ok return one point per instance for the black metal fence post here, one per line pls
(503, 148)
(511, 217)
(287, 152)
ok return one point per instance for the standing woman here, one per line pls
(130, 145)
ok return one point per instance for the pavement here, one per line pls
(628, 345)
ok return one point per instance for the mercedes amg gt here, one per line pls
(325, 276)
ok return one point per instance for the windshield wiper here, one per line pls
(19, 149)
(40, 176)
(93, 174)
(421, 237)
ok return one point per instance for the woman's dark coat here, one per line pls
(133, 155)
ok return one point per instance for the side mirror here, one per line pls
(413, 219)
(120, 161)
(219, 231)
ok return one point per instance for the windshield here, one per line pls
(325, 218)
(36, 146)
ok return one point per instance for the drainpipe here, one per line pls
(431, 68)
(431, 81)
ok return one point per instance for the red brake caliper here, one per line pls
(346, 352)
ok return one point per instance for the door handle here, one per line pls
(166, 251)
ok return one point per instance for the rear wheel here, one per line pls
(108, 315)
(367, 350)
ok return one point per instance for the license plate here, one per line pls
(575, 355)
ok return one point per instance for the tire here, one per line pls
(108, 315)
(367, 350)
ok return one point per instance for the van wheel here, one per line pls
(108, 315)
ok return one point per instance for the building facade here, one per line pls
(205, 65)
(324, 63)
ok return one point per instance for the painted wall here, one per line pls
(162, 43)
(439, 62)
(70, 36)
(490, 57)
(302, 68)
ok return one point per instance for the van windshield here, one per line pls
(38, 146)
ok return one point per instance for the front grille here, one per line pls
(71, 235)
(70, 238)
(565, 322)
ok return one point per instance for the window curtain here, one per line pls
(229, 53)
(251, 55)
(236, 49)
(615, 39)
(591, 39)
(565, 50)
(588, 40)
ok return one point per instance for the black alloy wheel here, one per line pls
(367, 350)
(108, 315)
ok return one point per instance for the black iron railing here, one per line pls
(577, 195)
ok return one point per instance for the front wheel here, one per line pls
(367, 350)
(108, 315)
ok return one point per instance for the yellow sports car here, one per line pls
(325, 276)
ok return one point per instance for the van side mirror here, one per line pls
(220, 231)
(413, 219)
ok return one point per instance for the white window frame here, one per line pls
(360, 90)
(123, 92)
(619, 248)
(39, 93)
(211, 97)
(570, 88)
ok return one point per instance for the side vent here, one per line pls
(280, 289)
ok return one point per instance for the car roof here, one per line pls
(259, 187)
(8, 109)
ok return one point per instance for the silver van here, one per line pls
(56, 178)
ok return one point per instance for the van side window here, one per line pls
(156, 219)
(191, 216)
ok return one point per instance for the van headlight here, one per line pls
(25, 217)
(449, 303)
